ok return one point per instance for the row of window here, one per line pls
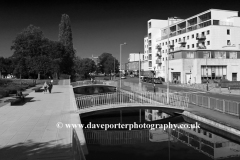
(184, 38)
(197, 35)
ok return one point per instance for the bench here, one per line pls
(17, 99)
(38, 89)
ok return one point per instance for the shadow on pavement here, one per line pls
(34, 150)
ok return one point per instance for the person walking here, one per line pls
(45, 87)
(50, 85)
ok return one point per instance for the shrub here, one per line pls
(4, 92)
(64, 76)
(4, 81)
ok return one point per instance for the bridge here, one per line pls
(126, 99)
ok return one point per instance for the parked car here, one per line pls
(123, 77)
(157, 81)
(132, 76)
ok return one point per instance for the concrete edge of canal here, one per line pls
(214, 127)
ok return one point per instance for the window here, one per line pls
(206, 54)
(187, 46)
(228, 42)
(176, 40)
(163, 43)
(187, 37)
(149, 25)
(218, 54)
(208, 31)
(192, 45)
(210, 135)
(150, 63)
(228, 31)
(208, 42)
(163, 59)
(196, 44)
(150, 57)
(197, 35)
(190, 55)
(162, 51)
(166, 43)
(193, 36)
(233, 55)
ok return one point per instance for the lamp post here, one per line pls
(172, 18)
(207, 70)
(154, 89)
(139, 68)
(121, 62)
(114, 68)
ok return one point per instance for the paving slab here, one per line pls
(31, 127)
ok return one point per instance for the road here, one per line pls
(190, 90)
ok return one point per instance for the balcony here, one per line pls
(182, 42)
(179, 48)
(201, 46)
(159, 47)
(171, 45)
(201, 37)
(158, 61)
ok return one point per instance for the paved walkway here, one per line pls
(222, 118)
(29, 131)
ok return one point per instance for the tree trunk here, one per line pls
(38, 75)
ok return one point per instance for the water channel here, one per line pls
(141, 144)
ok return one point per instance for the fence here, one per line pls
(224, 106)
(116, 137)
(125, 97)
(86, 82)
(143, 88)
(76, 146)
(200, 86)
(81, 83)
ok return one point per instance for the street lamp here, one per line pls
(121, 62)
(171, 18)
(139, 68)
(154, 80)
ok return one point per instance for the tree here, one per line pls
(106, 63)
(28, 42)
(65, 31)
(84, 66)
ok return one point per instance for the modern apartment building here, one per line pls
(133, 62)
(204, 46)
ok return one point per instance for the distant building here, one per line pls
(133, 62)
(95, 59)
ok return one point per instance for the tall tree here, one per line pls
(65, 31)
(106, 63)
(84, 66)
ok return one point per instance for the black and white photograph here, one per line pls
(119, 80)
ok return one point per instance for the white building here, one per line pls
(203, 46)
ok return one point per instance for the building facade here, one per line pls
(203, 47)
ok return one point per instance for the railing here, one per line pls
(221, 105)
(195, 142)
(125, 98)
(81, 83)
(200, 86)
(116, 137)
(76, 146)
(158, 61)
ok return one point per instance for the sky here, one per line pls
(97, 26)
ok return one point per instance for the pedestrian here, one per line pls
(45, 87)
(50, 85)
